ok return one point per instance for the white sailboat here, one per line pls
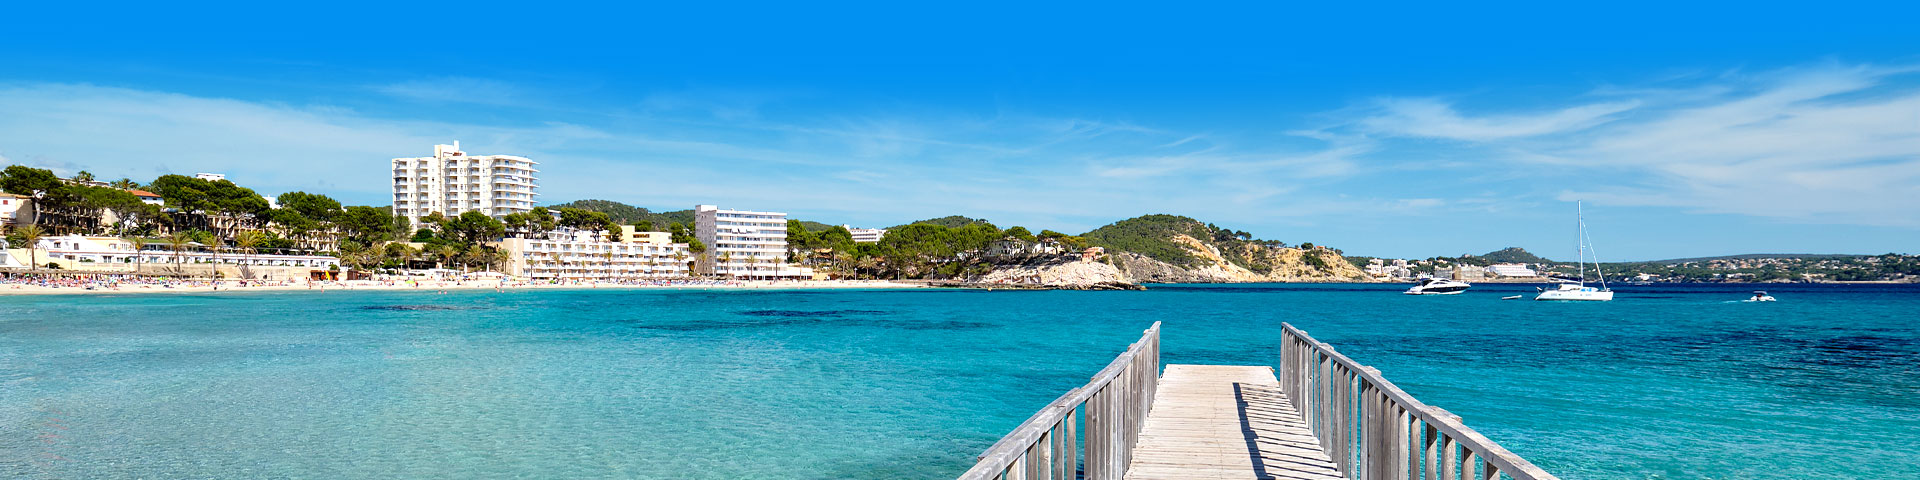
(1579, 291)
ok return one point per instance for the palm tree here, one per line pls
(178, 242)
(680, 258)
(139, 245)
(499, 258)
(559, 263)
(30, 235)
(607, 256)
(247, 240)
(476, 254)
(725, 258)
(445, 254)
(838, 261)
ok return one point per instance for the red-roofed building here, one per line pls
(146, 197)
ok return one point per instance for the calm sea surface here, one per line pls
(1670, 382)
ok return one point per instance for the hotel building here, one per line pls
(452, 182)
(15, 209)
(744, 244)
(582, 255)
(1512, 270)
(866, 235)
(114, 254)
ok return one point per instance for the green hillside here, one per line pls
(1151, 235)
(950, 221)
(627, 214)
(1513, 255)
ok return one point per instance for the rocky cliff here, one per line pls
(1174, 249)
(1279, 265)
(1061, 273)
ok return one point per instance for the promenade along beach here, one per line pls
(1668, 381)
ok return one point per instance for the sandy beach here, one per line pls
(203, 287)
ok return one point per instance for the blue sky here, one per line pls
(1384, 130)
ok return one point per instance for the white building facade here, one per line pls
(568, 255)
(452, 182)
(15, 210)
(866, 235)
(744, 244)
(79, 250)
(1512, 270)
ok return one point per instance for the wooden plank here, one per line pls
(1225, 422)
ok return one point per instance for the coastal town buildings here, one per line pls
(744, 244)
(15, 210)
(866, 235)
(96, 253)
(569, 254)
(1512, 270)
(451, 182)
(1388, 269)
(147, 197)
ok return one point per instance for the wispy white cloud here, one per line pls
(456, 90)
(1820, 144)
(880, 168)
(1426, 117)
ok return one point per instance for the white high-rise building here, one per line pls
(452, 182)
(744, 244)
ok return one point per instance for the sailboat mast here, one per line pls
(1579, 239)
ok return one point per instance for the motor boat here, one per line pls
(1578, 290)
(1438, 286)
(1760, 296)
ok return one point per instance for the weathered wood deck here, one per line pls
(1226, 422)
(1321, 416)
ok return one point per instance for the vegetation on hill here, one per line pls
(950, 221)
(1512, 255)
(630, 215)
(1154, 236)
(647, 220)
(1772, 267)
(921, 250)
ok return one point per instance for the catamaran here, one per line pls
(1578, 290)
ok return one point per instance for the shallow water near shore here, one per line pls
(1668, 381)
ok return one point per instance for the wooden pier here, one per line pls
(1321, 416)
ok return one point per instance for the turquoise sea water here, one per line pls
(1668, 381)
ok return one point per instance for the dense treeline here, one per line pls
(216, 213)
(923, 250)
(630, 215)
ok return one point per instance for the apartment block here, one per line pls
(744, 244)
(583, 255)
(452, 182)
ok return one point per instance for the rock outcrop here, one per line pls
(1209, 265)
(1066, 273)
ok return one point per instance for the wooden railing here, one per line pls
(1374, 431)
(1048, 446)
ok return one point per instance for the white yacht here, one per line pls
(1761, 296)
(1578, 289)
(1438, 286)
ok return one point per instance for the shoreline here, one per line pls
(204, 287)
